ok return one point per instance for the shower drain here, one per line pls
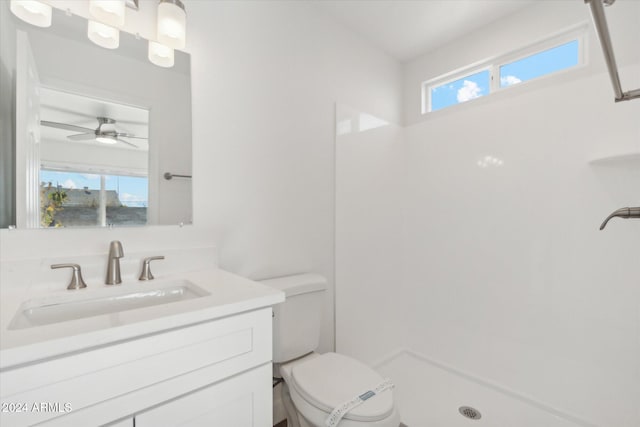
(469, 412)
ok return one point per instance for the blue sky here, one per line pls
(460, 90)
(530, 67)
(546, 62)
(133, 191)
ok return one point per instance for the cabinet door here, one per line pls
(241, 401)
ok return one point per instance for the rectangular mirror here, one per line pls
(90, 136)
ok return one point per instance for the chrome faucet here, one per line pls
(622, 213)
(113, 264)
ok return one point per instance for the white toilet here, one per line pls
(315, 384)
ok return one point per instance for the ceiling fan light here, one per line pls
(161, 55)
(106, 139)
(33, 12)
(110, 12)
(103, 35)
(172, 23)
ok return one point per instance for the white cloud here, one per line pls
(132, 200)
(468, 91)
(126, 197)
(90, 176)
(69, 184)
(509, 80)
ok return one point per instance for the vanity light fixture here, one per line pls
(110, 12)
(33, 12)
(107, 16)
(172, 23)
(103, 35)
(160, 55)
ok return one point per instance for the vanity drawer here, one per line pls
(225, 347)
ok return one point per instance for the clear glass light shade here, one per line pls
(172, 24)
(103, 35)
(160, 54)
(33, 12)
(110, 12)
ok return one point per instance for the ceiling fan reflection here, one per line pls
(105, 133)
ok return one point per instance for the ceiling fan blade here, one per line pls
(128, 135)
(65, 126)
(125, 142)
(82, 136)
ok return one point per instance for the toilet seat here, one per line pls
(321, 383)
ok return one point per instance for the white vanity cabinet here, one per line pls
(238, 402)
(212, 373)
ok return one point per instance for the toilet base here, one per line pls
(290, 409)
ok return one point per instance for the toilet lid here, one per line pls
(332, 379)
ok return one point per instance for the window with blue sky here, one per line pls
(446, 91)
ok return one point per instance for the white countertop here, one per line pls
(229, 294)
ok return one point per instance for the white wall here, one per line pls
(265, 79)
(512, 280)
(507, 275)
(370, 196)
(53, 153)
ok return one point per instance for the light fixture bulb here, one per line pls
(172, 23)
(110, 12)
(33, 12)
(103, 35)
(106, 139)
(161, 55)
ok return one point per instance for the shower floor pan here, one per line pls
(429, 395)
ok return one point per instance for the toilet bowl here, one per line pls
(316, 384)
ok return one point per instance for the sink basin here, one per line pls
(45, 311)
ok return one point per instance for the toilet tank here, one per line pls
(297, 321)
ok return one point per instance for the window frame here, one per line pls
(577, 33)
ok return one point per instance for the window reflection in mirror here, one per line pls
(77, 199)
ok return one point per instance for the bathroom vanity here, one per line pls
(202, 358)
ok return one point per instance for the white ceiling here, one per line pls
(407, 29)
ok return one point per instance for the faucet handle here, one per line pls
(146, 268)
(76, 276)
